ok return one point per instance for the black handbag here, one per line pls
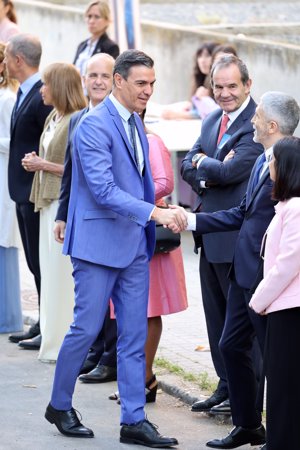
(166, 240)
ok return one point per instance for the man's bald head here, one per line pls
(98, 77)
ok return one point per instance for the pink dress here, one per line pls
(167, 293)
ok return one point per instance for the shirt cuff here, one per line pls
(200, 161)
(191, 222)
(149, 218)
(202, 183)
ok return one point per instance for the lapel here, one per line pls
(24, 104)
(120, 127)
(233, 128)
(213, 135)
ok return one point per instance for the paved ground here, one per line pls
(25, 385)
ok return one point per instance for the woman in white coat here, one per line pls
(10, 303)
(278, 295)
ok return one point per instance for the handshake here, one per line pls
(174, 217)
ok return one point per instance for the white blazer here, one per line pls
(9, 234)
(280, 287)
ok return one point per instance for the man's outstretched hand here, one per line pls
(173, 217)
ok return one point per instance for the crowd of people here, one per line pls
(76, 156)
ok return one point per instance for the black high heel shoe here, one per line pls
(150, 392)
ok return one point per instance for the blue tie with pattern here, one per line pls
(131, 122)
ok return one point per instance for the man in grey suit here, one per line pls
(221, 186)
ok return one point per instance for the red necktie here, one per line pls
(223, 127)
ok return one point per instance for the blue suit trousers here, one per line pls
(94, 286)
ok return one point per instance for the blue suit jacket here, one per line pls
(110, 201)
(25, 132)
(228, 181)
(62, 211)
(251, 218)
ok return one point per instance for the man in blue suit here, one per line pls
(110, 236)
(22, 58)
(221, 186)
(277, 115)
(101, 362)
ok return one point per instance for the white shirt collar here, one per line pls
(124, 113)
(234, 114)
(269, 153)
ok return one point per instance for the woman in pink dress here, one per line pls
(8, 20)
(167, 293)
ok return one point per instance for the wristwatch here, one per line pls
(196, 158)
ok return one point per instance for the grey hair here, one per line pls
(283, 109)
(28, 46)
(228, 60)
(130, 58)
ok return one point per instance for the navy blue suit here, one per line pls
(103, 350)
(251, 218)
(27, 125)
(227, 185)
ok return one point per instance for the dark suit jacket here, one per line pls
(228, 181)
(104, 45)
(62, 212)
(26, 130)
(251, 218)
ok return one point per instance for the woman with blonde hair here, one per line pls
(62, 88)
(8, 20)
(10, 304)
(97, 15)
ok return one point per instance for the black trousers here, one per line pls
(242, 359)
(214, 286)
(282, 365)
(104, 349)
(29, 226)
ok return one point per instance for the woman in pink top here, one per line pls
(278, 295)
(8, 20)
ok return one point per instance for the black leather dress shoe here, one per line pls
(222, 408)
(87, 366)
(101, 374)
(31, 344)
(67, 422)
(31, 333)
(240, 436)
(145, 433)
(206, 405)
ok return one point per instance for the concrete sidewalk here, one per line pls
(25, 385)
